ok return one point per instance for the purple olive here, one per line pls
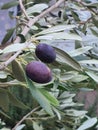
(45, 53)
(38, 72)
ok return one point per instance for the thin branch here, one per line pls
(90, 9)
(23, 9)
(34, 20)
(84, 22)
(25, 31)
(24, 118)
(85, 5)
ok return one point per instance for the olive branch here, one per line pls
(26, 29)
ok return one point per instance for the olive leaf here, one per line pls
(80, 51)
(8, 35)
(18, 70)
(63, 57)
(94, 32)
(37, 8)
(10, 4)
(56, 28)
(50, 97)
(88, 124)
(59, 35)
(13, 48)
(42, 100)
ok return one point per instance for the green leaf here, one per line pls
(76, 113)
(10, 4)
(60, 35)
(42, 100)
(11, 83)
(36, 126)
(95, 4)
(93, 61)
(20, 127)
(79, 51)
(4, 99)
(37, 8)
(95, 21)
(63, 57)
(93, 75)
(67, 76)
(23, 39)
(94, 32)
(88, 124)
(50, 97)
(3, 75)
(57, 28)
(16, 102)
(79, 78)
(8, 35)
(75, 16)
(18, 70)
(13, 47)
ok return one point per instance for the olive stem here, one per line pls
(23, 9)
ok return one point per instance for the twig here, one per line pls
(24, 117)
(23, 9)
(84, 22)
(90, 9)
(33, 21)
(85, 5)
(25, 31)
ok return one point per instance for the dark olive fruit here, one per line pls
(45, 53)
(38, 72)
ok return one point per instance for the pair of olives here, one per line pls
(38, 71)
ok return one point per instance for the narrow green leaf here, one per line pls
(23, 39)
(63, 57)
(88, 124)
(57, 28)
(13, 48)
(18, 71)
(42, 100)
(37, 8)
(12, 83)
(95, 4)
(3, 75)
(20, 127)
(93, 75)
(36, 126)
(76, 113)
(80, 51)
(67, 76)
(95, 21)
(59, 35)
(94, 32)
(10, 4)
(50, 97)
(93, 61)
(79, 78)
(8, 35)
(75, 15)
